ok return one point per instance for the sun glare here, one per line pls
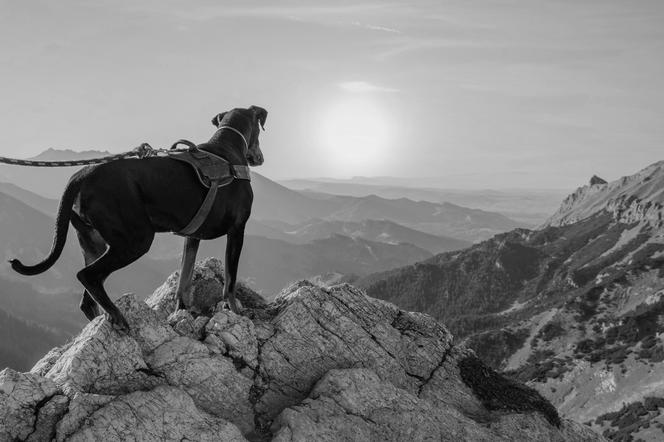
(355, 136)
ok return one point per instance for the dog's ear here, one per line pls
(216, 121)
(261, 114)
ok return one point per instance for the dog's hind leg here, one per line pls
(234, 242)
(187, 270)
(93, 276)
(92, 246)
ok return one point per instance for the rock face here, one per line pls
(594, 180)
(316, 364)
(630, 199)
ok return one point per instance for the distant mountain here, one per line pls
(48, 206)
(529, 206)
(575, 308)
(28, 233)
(374, 230)
(268, 265)
(48, 182)
(635, 198)
(23, 343)
(68, 154)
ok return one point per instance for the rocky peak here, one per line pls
(315, 364)
(637, 198)
(594, 180)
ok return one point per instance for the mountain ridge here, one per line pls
(575, 309)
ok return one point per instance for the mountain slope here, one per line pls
(635, 198)
(47, 206)
(373, 230)
(270, 264)
(23, 343)
(575, 308)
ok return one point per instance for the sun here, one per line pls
(354, 135)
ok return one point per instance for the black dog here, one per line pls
(117, 207)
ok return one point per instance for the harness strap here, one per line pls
(203, 211)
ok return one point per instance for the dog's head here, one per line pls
(249, 122)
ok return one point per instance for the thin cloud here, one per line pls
(377, 28)
(363, 86)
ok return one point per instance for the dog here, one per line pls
(117, 207)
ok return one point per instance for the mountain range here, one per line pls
(574, 308)
(274, 202)
(290, 236)
(531, 207)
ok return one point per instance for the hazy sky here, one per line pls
(480, 93)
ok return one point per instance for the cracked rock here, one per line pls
(163, 414)
(238, 335)
(356, 405)
(102, 360)
(212, 381)
(22, 396)
(317, 330)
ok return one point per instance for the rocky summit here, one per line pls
(315, 364)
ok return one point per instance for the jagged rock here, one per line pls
(102, 360)
(186, 325)
(48, 416)
(630, 199)
(238, 335)
(207, 289)
(597, 180)
(25, 400)
(81, 406)
(45, 363)
(206, 293)
(356, 405)
(317, 330)
(182, 322)
(321, 360)
(212, 380)
(165, 413)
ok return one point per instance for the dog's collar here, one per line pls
(246, 145)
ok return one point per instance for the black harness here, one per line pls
(213, 172)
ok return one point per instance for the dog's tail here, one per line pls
(61, 228)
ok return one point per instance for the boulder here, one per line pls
(206, 293)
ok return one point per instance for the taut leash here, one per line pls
(142, 151)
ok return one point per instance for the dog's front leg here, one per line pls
(187, 270)
(234, 241)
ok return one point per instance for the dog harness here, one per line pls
(213, 172)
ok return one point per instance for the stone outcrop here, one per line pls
(631, 199)
(315, 364)
(595, 180)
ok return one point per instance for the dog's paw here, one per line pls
(118, 321)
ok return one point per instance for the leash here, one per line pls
(142, 151)
(147, 151)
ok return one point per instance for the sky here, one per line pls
(475, 94)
